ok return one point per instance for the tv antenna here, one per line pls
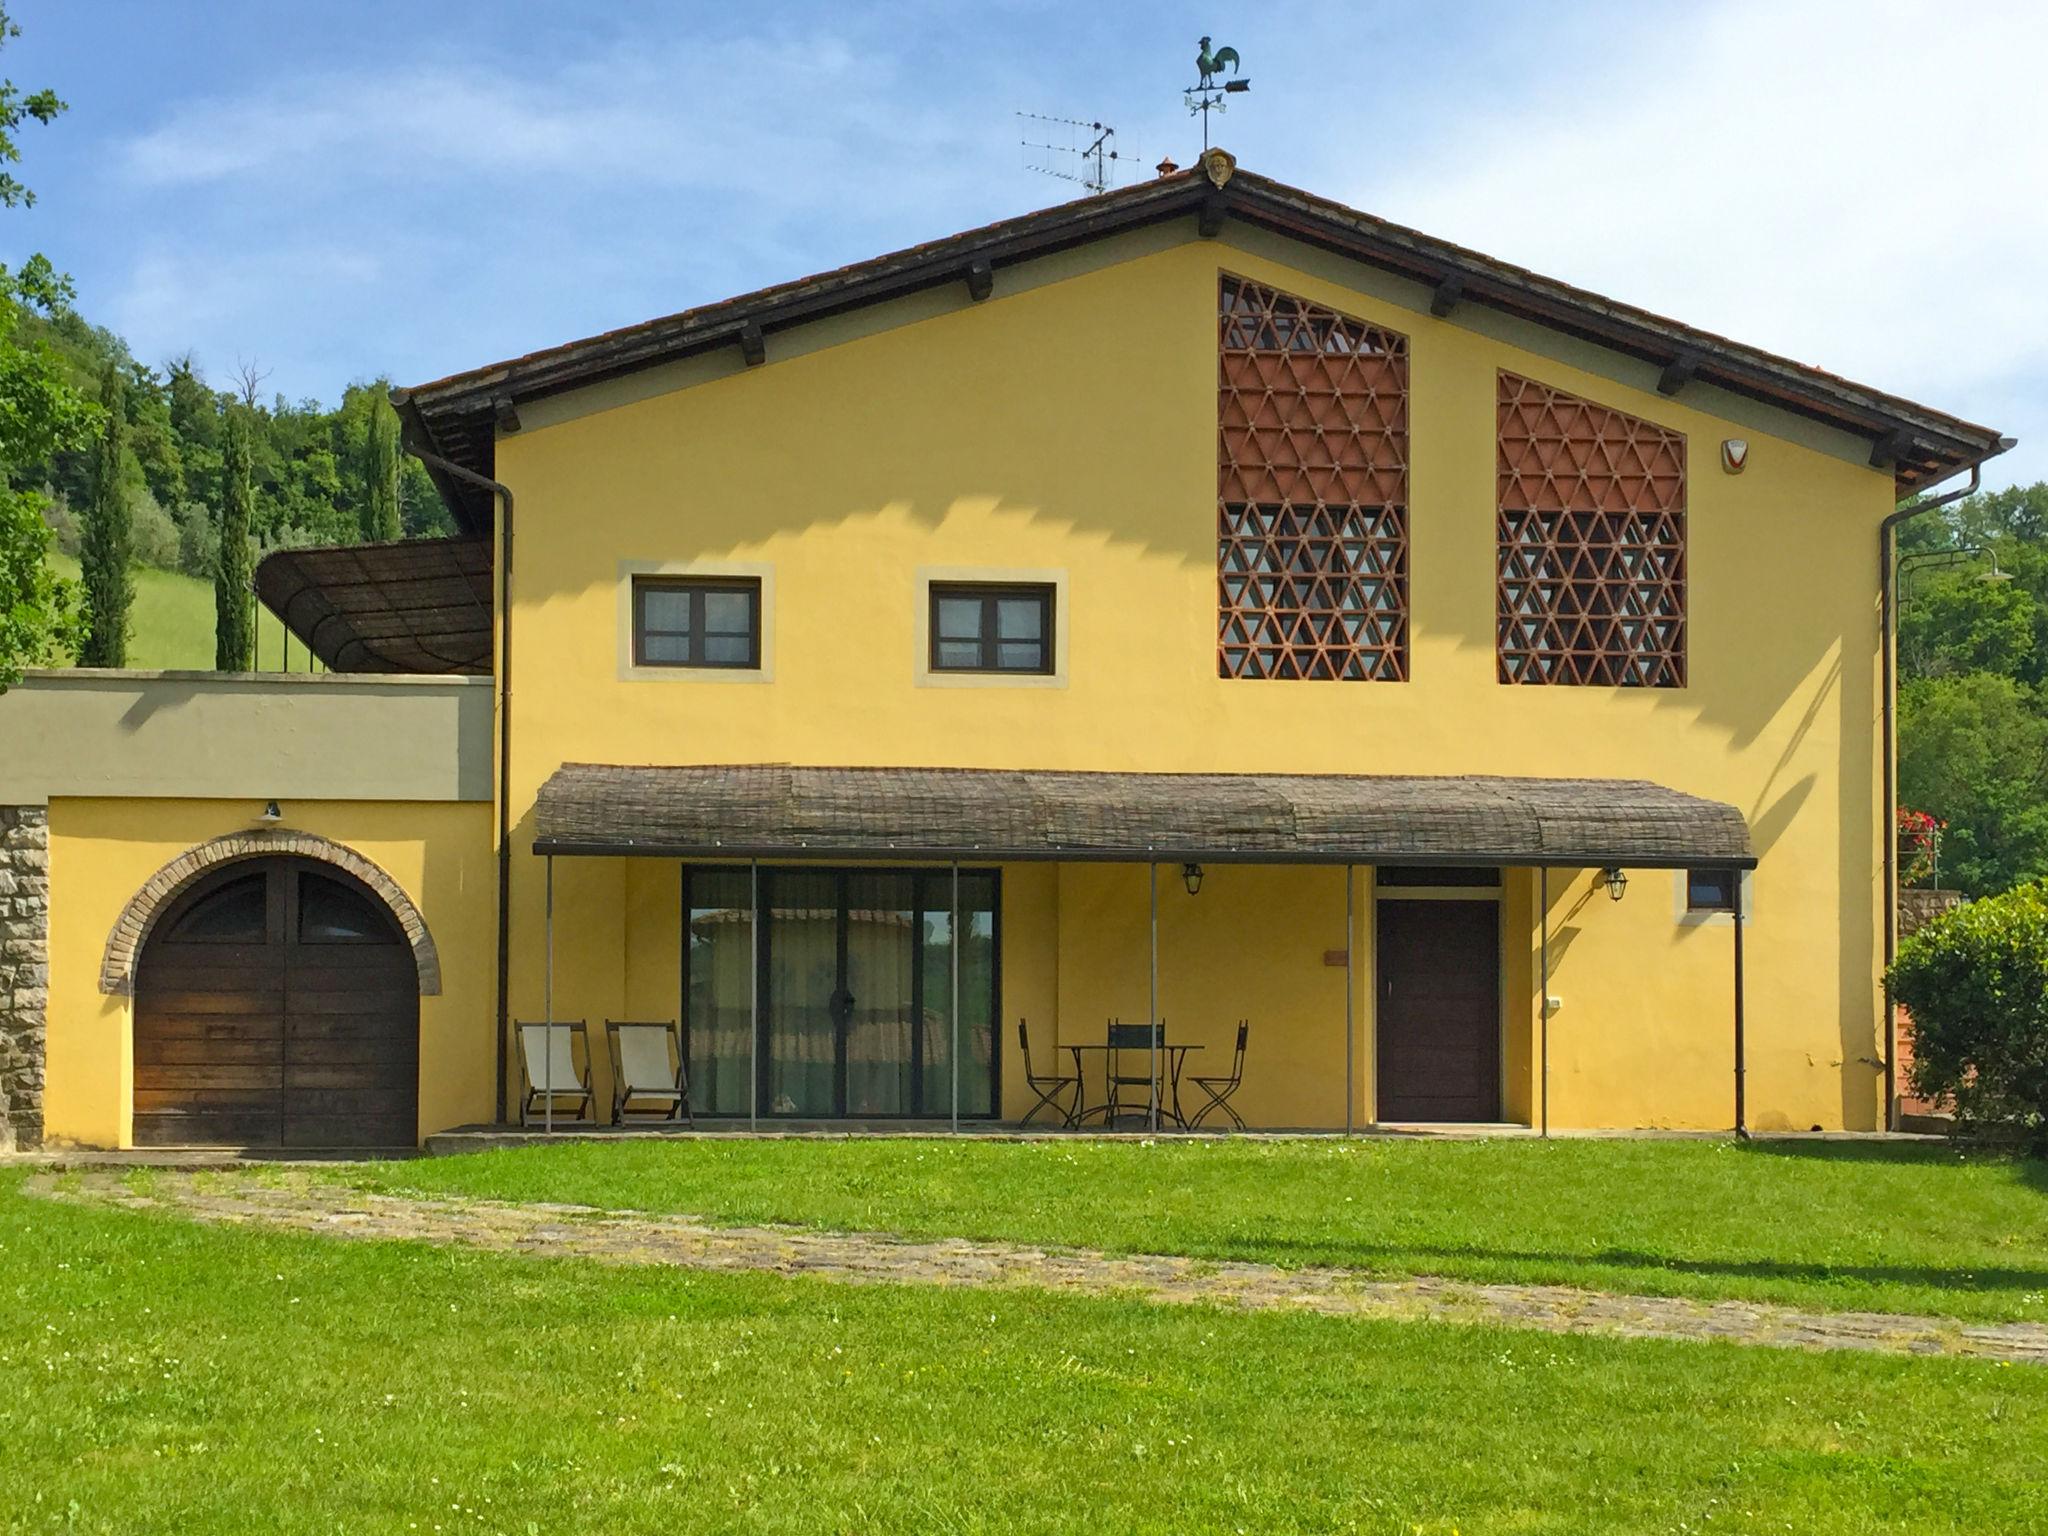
(1207, 95)
(1071, 149)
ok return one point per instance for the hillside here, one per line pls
(172, 623)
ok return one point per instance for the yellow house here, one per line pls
(1194, 605)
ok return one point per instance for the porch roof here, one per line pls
(778, 811)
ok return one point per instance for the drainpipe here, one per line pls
(1888, 618)
(504, 495)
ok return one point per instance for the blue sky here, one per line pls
(342, 190)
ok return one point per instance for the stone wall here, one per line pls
(24, 970)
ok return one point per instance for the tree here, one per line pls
(104, 555)
(380, 473)
(42, 415)
(234, 624)
(1973, 750)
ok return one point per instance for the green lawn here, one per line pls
(157, 1375)
(171, 624)
(1907, 1228)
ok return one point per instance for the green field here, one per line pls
(171, 624)
(157, 1375)
(1899, 1227)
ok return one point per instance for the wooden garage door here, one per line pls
(1439, 1010)
(277, 1005)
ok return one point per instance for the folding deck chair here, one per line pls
(648, 1070)
(556, 1061)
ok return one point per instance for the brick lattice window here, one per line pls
(1592, 543)
(1312, 491)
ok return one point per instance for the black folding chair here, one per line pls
(1220, 1089)
(1048, 1088)
(1137, 1059)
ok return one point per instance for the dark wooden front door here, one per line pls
(277, 1004)
(1439, 1010)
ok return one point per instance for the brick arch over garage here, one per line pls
(124, 943)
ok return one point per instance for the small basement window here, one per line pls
(687, 621)
(990, 627)
(1711, 890)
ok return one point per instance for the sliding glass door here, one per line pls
(855, 975)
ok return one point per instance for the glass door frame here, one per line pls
(930, 891)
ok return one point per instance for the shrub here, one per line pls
(152, 536)
(1976, 983)
(198, 539)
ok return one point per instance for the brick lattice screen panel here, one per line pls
(1592, 542)
(1312, 491)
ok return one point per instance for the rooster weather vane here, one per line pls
(1207, 95)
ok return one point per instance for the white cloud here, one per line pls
(1863, 186)
(744, 114)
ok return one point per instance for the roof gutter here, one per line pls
(1888, 620)
(503, 493)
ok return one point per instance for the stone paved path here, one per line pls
(628, 1237)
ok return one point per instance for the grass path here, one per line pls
(1907, 1228)
(160, 1375)
(292, 1201)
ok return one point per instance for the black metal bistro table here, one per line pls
(1171, 1059)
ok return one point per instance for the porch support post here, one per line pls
(754, 997)
(1152, 1012)
(956, 997)
(1543, 983)
(1350, 993)
(1741, 1109)
(547, 1049)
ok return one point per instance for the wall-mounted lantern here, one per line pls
(271, 812)
(1617, 883)
(1191, 877)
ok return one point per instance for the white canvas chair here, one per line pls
(556, 1060)
(648, 1072)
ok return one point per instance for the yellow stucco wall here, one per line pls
(1071, 426)
(103, 850)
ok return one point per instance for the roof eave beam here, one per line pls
(753, 344)
(981, 280)
(1678, 373)
(1444, 297)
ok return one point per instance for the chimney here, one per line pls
(1166, 167)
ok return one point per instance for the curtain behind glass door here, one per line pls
(977, 994)
(803, 999)
(881, 963)
(718, 1013)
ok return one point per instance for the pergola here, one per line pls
(781, 812)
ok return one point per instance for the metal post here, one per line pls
(547, 1046)
(1350, 991)
(956, 996)
(1741, 1115)
(754, 998)
(1152, 1010)
(1543, 991)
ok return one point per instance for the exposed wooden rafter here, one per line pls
(981, 280)
(1678, 373)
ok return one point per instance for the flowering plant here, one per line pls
(1919, 844)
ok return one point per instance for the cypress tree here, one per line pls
(104, 547)
(234, 621)
(380, 474)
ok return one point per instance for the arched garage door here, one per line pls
(276, 1004)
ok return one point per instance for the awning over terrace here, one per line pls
(775, 811)
(418, 605)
